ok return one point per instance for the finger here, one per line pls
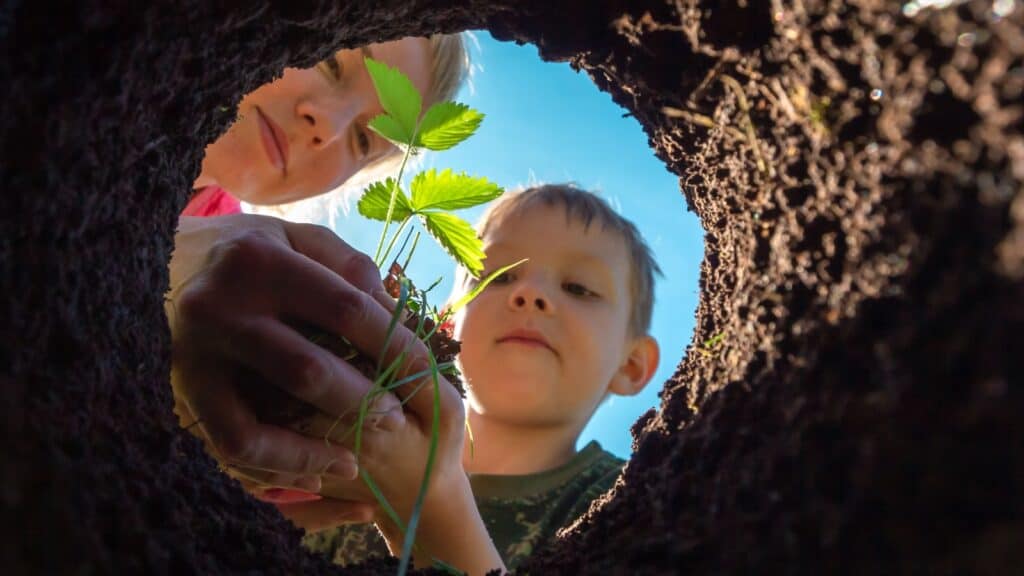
(342, 431)
(333, 304)
(384, 299)
(306, 371)
(324, 246)
(326, 513)
(259, 482)
(240, 439)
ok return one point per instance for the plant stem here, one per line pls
(412, 251)
(394, 196)
(401, 249)
(401, 228)
(435, 432)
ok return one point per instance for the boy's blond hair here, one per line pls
(584, 207)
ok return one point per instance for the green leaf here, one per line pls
(449, 191)
(446, 124)
(388, 509)
(458, 238)
(389, 128)
(399, 98)
(377, 197)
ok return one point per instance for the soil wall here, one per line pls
(849, 403)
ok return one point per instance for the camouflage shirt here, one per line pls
(522, 513)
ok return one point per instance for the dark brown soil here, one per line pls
(850, 402)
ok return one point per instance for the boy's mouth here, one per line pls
(526, 337)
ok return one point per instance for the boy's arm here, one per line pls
(451, 530)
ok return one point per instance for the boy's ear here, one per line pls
(638, 368)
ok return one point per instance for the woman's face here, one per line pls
(306, 133)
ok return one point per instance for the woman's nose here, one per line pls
(321, 123)
(527, 295)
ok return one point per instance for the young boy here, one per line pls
(542, 347)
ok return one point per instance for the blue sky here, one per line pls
(546, 123)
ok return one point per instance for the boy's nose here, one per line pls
(538, 302)
(528, 297)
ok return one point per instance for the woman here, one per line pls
(300, 136)
(306, 133)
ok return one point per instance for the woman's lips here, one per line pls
(275, 143)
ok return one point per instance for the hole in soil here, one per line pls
(548, 124)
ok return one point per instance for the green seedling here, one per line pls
(433, 194)
(432, 197)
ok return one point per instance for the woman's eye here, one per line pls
(363, 140)
(333, 67)
(577, 289)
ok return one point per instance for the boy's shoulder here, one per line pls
(524, 513)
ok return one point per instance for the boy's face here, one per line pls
(306, 133)
(541, 345)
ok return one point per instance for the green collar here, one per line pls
(515, 486)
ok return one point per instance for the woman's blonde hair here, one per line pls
(449, 67)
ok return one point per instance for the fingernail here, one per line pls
(286, 496)
(345, 468)
(391, 419)
(384, 403)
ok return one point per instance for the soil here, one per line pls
(849, 402)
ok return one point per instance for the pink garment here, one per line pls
(212, 201)
(286, 496)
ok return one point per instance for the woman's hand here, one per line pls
(310, 511)
(235, 282)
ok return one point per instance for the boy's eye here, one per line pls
(502, 278)
(577, 289)
(333, 67)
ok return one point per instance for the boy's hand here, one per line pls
(394, 452)
(235, 280)
(394, 455)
